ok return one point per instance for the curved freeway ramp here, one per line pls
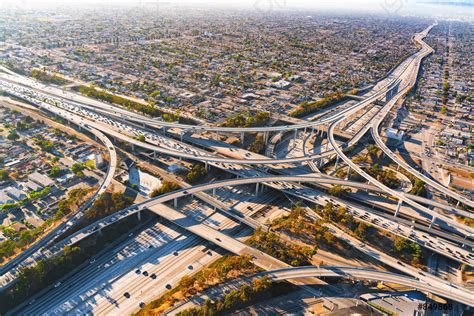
(291, 273)
(34, 253)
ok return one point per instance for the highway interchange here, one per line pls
(123, 125)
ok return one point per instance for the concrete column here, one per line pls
(139, 214)
(207, 165)
(457, 204)
(400, 202)
(296, 133)
(348, 172)
(213, 191)
(133, 147)
(265, 137)
(432, 221)
(256, 188)
(175, 202)
(181, 135)
(154, 154)
(337, 160)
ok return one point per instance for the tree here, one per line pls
(3, 175)
(198, 171)
(258, 145)
(361, 231)
(77, 167)
(13, 135)
(166, 186)
(55, 172)
(337, 190)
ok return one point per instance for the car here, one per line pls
(92, 260)
(209, 253)
(126, 294)
(145, 273)
(32, 302)
(153, 276)
(190, 267)
(137, 271)
(57, 284)
(168, 286)
(141, 305)
(218, 239)
(175, 253)
(130, 235)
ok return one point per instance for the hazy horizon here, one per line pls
(432, 8)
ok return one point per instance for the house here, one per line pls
(5, 198)
(16, 194)
(41, 179)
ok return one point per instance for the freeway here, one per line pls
(285, 274)
(434, 215)
(188, 153)
(378, 140)
(68, 116)
(33, 253)
(100, 106)
(192, 154)
(459, 254)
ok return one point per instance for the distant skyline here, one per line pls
(434, 8)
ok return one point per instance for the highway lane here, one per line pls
(80, 100)
(247, 161)
(348, 273)
(434, 215)
(190, 150)
(111, 111)
(84, 303)
(433, 183)
(33, 253)
(445, 248)
(448, 254)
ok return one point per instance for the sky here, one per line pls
(390, 7)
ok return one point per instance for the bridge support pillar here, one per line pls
(207, 165)
(175, 202)
(154, 154)
(457, 204)
(337, 161)
(296, 133)
(400, 202)
(432, 222)
(213, 191)
(256, 188)
(139, 215)
(181, 135)
(348, 175)
(133, 147)
(265, 137)
(242, 138)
